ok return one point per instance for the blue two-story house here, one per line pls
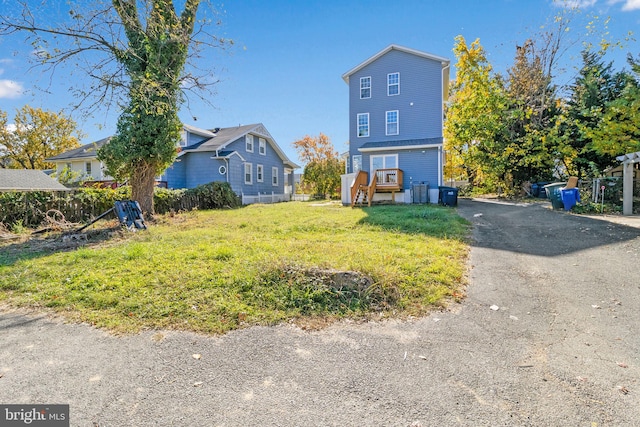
(396, 101)
(247, 157)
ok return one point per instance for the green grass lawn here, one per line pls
(214, 271)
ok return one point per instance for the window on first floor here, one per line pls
(87, 168)
(259, 173)
(363, 125)
(392, 123)
(248, 173)
(384, 161)
(357, 163)
(274, 176)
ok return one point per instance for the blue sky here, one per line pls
(285, 69)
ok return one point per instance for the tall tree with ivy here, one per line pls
(135, 51)
(149, 128)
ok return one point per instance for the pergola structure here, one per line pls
(628, 160)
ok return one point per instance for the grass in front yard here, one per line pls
(214, 271)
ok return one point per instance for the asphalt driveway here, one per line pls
(547, 336)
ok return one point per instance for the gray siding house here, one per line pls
(396, 100)
(247, 157)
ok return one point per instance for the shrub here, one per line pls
(29, 209)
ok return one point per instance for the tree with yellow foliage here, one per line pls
(34, 136)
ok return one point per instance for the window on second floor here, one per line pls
(363, 125)
(248, 173)
(249, 141)
(393, 84)
(87, 168)
(392, 123)
(274, 176)
(183, 138)
(262, 146)
(259, 173)
(365, 87)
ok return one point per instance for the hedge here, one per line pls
(29, 209)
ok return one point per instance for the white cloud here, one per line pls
(10, 89)
(631, 5)
(627, 5)
(580, 4)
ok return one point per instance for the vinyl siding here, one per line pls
(416, 165)
(174, 175)
(268, 161)
(420, 85)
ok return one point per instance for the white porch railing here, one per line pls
(265, 198)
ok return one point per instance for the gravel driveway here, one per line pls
(547, 336)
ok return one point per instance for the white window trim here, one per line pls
(386, 118)
(275, 176)
(259, 173)
(88, 168)
(262, 146)
(395, 84)
(248, 167)
(358, 125)
(383, 156)
(361, 80)
(356, 160)
(184, 135)
(249, 146)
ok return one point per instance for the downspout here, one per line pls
(445, 97)
(226, 161)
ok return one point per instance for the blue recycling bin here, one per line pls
(570, 197)
(535, 190)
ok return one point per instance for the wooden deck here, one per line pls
(382, 181)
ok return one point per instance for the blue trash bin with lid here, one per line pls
(570, 197)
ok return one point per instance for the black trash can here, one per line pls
(448, 196)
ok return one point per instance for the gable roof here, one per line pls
(225, 136)
(445, 62)
(28, 180)
(87, 151)
(218, 140)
